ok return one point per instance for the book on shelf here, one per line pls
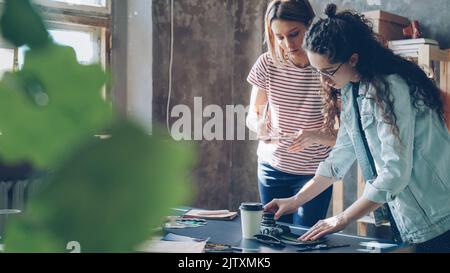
(407, 53)
(404, 47)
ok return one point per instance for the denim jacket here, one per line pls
(413, 173)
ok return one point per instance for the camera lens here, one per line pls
(268, 219)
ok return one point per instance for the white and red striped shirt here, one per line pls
(295, 104)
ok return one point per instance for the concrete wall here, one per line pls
(215, 44)
(433, 15)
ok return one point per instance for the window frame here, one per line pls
(73, 17)
(97, 31)
(76, 7)
(73, 13)
(61, 16)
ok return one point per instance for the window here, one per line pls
(83, 25)
(86, 42)
(8, 57)
(7, 60)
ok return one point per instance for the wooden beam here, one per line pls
(424, 55)
(16, 59)
(338, 197)
(437, 54)
(78, 19)
(361, 183)
(76, 8)
(429, 53)
(361, 226)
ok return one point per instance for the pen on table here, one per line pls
(245, 250)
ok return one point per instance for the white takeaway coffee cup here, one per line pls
(251, 215)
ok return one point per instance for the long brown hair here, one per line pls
(290, 10)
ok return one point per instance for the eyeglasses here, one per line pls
(326, 73)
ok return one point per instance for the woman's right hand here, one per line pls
(281, 207)
(264, 133)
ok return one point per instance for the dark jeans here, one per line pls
(440, 244)
(273, 183)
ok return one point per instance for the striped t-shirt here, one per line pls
(295, 104)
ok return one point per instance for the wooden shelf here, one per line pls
(427, 55)
(363, 225)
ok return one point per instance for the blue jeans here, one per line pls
(440, 244)
(273, 183)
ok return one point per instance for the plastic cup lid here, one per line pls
(251, 206)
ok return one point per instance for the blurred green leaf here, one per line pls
(108, 196)
(20, 24)
(50, 106)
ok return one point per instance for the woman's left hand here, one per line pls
(324, 227)
(304, 139)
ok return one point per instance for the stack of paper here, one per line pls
(173, 243)
(158, 246)
(410, 47)
(212, 214)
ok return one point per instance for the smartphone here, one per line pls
(290, 236)
(279, 137)
(291, 239)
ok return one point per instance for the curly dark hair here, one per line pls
(341, 35)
